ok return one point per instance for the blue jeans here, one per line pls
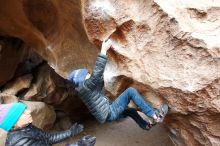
(132, 113)
(120, 104)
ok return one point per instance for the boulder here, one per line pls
(43, 115)
(168, 50)
(20, 83)
(12, 52)
(56, 32)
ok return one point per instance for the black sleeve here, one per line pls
(24, 141)
(100, 85)
(57, 136)
(35, 136)
(98, 71)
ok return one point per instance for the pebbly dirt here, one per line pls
(124, 133)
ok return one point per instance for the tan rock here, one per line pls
(12, 52)
(7, 98)
(172, 48)
(56, 32)
(43, 115)
(47, 86)
(168, 50)
(20, 83)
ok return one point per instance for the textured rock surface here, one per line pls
(168, 50)
(43, 115)
(7, 98)
(171, 48)
(12, 52)
(56, 32)
(13, 87)
(123, 133)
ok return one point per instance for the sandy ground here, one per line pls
(123, 133)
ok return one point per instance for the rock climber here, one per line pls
(16, 119)
(89, 88)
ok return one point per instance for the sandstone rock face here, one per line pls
(43, 115)
(168, 50)
(56, 32)
(172, 48)
(12, 52)
(20, 83)
(7, 98)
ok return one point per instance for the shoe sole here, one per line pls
(163, 109)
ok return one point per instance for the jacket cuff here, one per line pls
(102, 55)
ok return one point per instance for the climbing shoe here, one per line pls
(160, 113)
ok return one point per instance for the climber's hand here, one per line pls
(76, 129)
(87, 141)
(106, 44)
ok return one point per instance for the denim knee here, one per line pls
(112, 115)
(132, 90)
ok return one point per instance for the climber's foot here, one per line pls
(160, 113)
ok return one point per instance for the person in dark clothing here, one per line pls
(16, 119)
(89, 88)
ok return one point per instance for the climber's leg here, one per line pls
(131, 112)
(120, 104)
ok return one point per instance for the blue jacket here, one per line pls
(90, 91)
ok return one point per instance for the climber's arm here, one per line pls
(99, 68)
(60, 136)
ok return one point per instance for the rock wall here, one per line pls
(170, 47)
(17, 51)
(168, 50)
(56, 32)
